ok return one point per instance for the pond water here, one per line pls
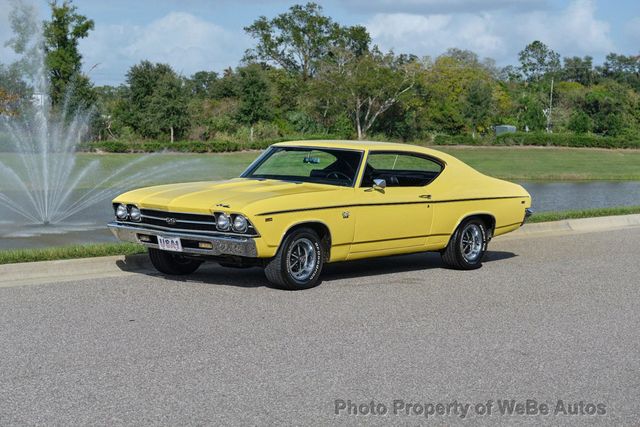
(561, 196)
(89, 226)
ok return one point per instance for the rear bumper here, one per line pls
(191, 243)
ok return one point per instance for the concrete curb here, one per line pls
(34, 273)
(581, 225)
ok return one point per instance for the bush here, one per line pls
(457, 140)
(580, 122)
(217, 146)
(302, 122)
(113, 146)
(567, 140)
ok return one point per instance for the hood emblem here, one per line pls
(170, 221)
(223, 205)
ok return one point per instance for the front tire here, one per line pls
(298, 262)
(467, 245)
(172, 263)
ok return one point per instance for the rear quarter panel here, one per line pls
(461, 191)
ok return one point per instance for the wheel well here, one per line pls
(323, 232)
(489, 222)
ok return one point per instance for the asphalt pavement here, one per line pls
(548, 325)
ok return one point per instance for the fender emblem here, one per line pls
(170, 221)
(345, 214)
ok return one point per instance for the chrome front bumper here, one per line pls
(220, 245)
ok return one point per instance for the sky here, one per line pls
(194, 35)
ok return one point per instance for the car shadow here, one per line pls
(397, 264)
(209, 273)
(214, 274)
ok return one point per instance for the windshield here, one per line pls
(307, 164)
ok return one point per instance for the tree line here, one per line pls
(308, 75)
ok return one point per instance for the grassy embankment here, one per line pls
(584, 213)
(13, 256)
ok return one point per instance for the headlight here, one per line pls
(134, 214)
(240, 224)
(121, 212)
(223, 222)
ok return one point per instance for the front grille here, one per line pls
(178, 216)
(179, 221)
(183, 222)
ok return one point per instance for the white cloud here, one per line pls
(182, 40)
(574, 30)
(432, 34)
(442, 6)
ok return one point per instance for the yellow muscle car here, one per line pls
(302, 204)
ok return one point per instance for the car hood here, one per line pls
(235, 195)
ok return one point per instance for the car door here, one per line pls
(398, 217)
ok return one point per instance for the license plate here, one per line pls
(170, 244)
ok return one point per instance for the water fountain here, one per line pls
(42, 184)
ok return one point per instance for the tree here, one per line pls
(202, 83)
(167, 108)
(8, 102)
(530, 114)
(623, 69)
(445, 88)
(477, 108)
(298, 39)
(365, 86)
(61, 36)
(607, 105)
(13, 90)
(579, 122)
(510, 73)
(537, 60)
(254, 96)
(579, 70)
(156, 100)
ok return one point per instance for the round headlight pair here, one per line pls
(224, 222)
(239, 223)
(122, 212)
(132, 212)
(135, 214)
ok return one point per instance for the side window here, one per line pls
(400, 169)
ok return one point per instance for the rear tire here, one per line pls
(171, 263)
(467, 245)
(298, 262)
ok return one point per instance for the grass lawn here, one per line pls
(516, 163)
(586, 213)
(13, 256)
(551, 164)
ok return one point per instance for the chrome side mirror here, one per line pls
(379, 184)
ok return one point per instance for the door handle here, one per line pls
(425, 196)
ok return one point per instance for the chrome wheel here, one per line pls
(471, 242)
(302, 259)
